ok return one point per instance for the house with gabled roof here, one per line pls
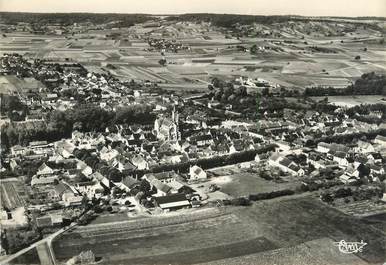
(84, 168)
(43, 179)
(50, 220)
(108, 154)
(376, 169)
(341, 158)
(90, 188)
(381, 140)
(18, 150)
(162, 188)
(197, 173)
(139, 162)
(44, 170)
(201, 140)
(374, 158)
(352, 171)
(128, 183)
(358, 160)
(347, 178)
(123, 164)
(164, 177)
(65, 148)
(364, 147)
(177, 186)
(102, 179)
(58, 190)
(323, 147)
(285, 164)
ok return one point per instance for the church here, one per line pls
(166, 128)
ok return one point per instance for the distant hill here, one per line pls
(125, 20)
(220, 20)
(232, 20)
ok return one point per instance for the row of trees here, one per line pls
(23, 133)
(14, 240)
(12, 107)
(346, 138)
(93, 118)
(212, 162)
(367, 84)
(84, 118)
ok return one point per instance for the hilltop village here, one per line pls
(92, 141)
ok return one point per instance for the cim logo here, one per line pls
(350, 247)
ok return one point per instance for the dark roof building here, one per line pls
(172, 202)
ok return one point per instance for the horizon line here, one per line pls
(179, 14)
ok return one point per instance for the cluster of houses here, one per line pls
(121, 160)
(165, 45)
(362, 161)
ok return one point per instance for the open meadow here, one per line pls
(207, 235)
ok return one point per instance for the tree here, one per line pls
(363, 170)
(265, 91)
(114, 175)
(19, 239)
(254, 49)
(144, 186)
(162, 62)
(215, 82)
(326, 197)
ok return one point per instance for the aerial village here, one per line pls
(81, 145)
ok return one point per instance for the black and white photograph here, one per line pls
(192, 132)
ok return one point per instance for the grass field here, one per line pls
(208, 254)
(354, 100)
(143, 240)
(243, 184)
(289, 222)
(283, 223)
(315, 252)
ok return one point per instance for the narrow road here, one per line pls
(47, 240)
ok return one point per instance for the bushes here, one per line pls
(367, 193)
(358, 194)
(86, 218)
(314, 185)
(270, 195)
(367, 84)
(17, 239)
(242, 201)
(212, 162)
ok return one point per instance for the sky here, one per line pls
(252, 7)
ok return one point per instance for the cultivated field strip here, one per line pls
(168, 240)
(124, 232)
(152, 222)
(362, 208)
(10, 197)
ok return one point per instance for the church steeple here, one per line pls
(175, 115)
